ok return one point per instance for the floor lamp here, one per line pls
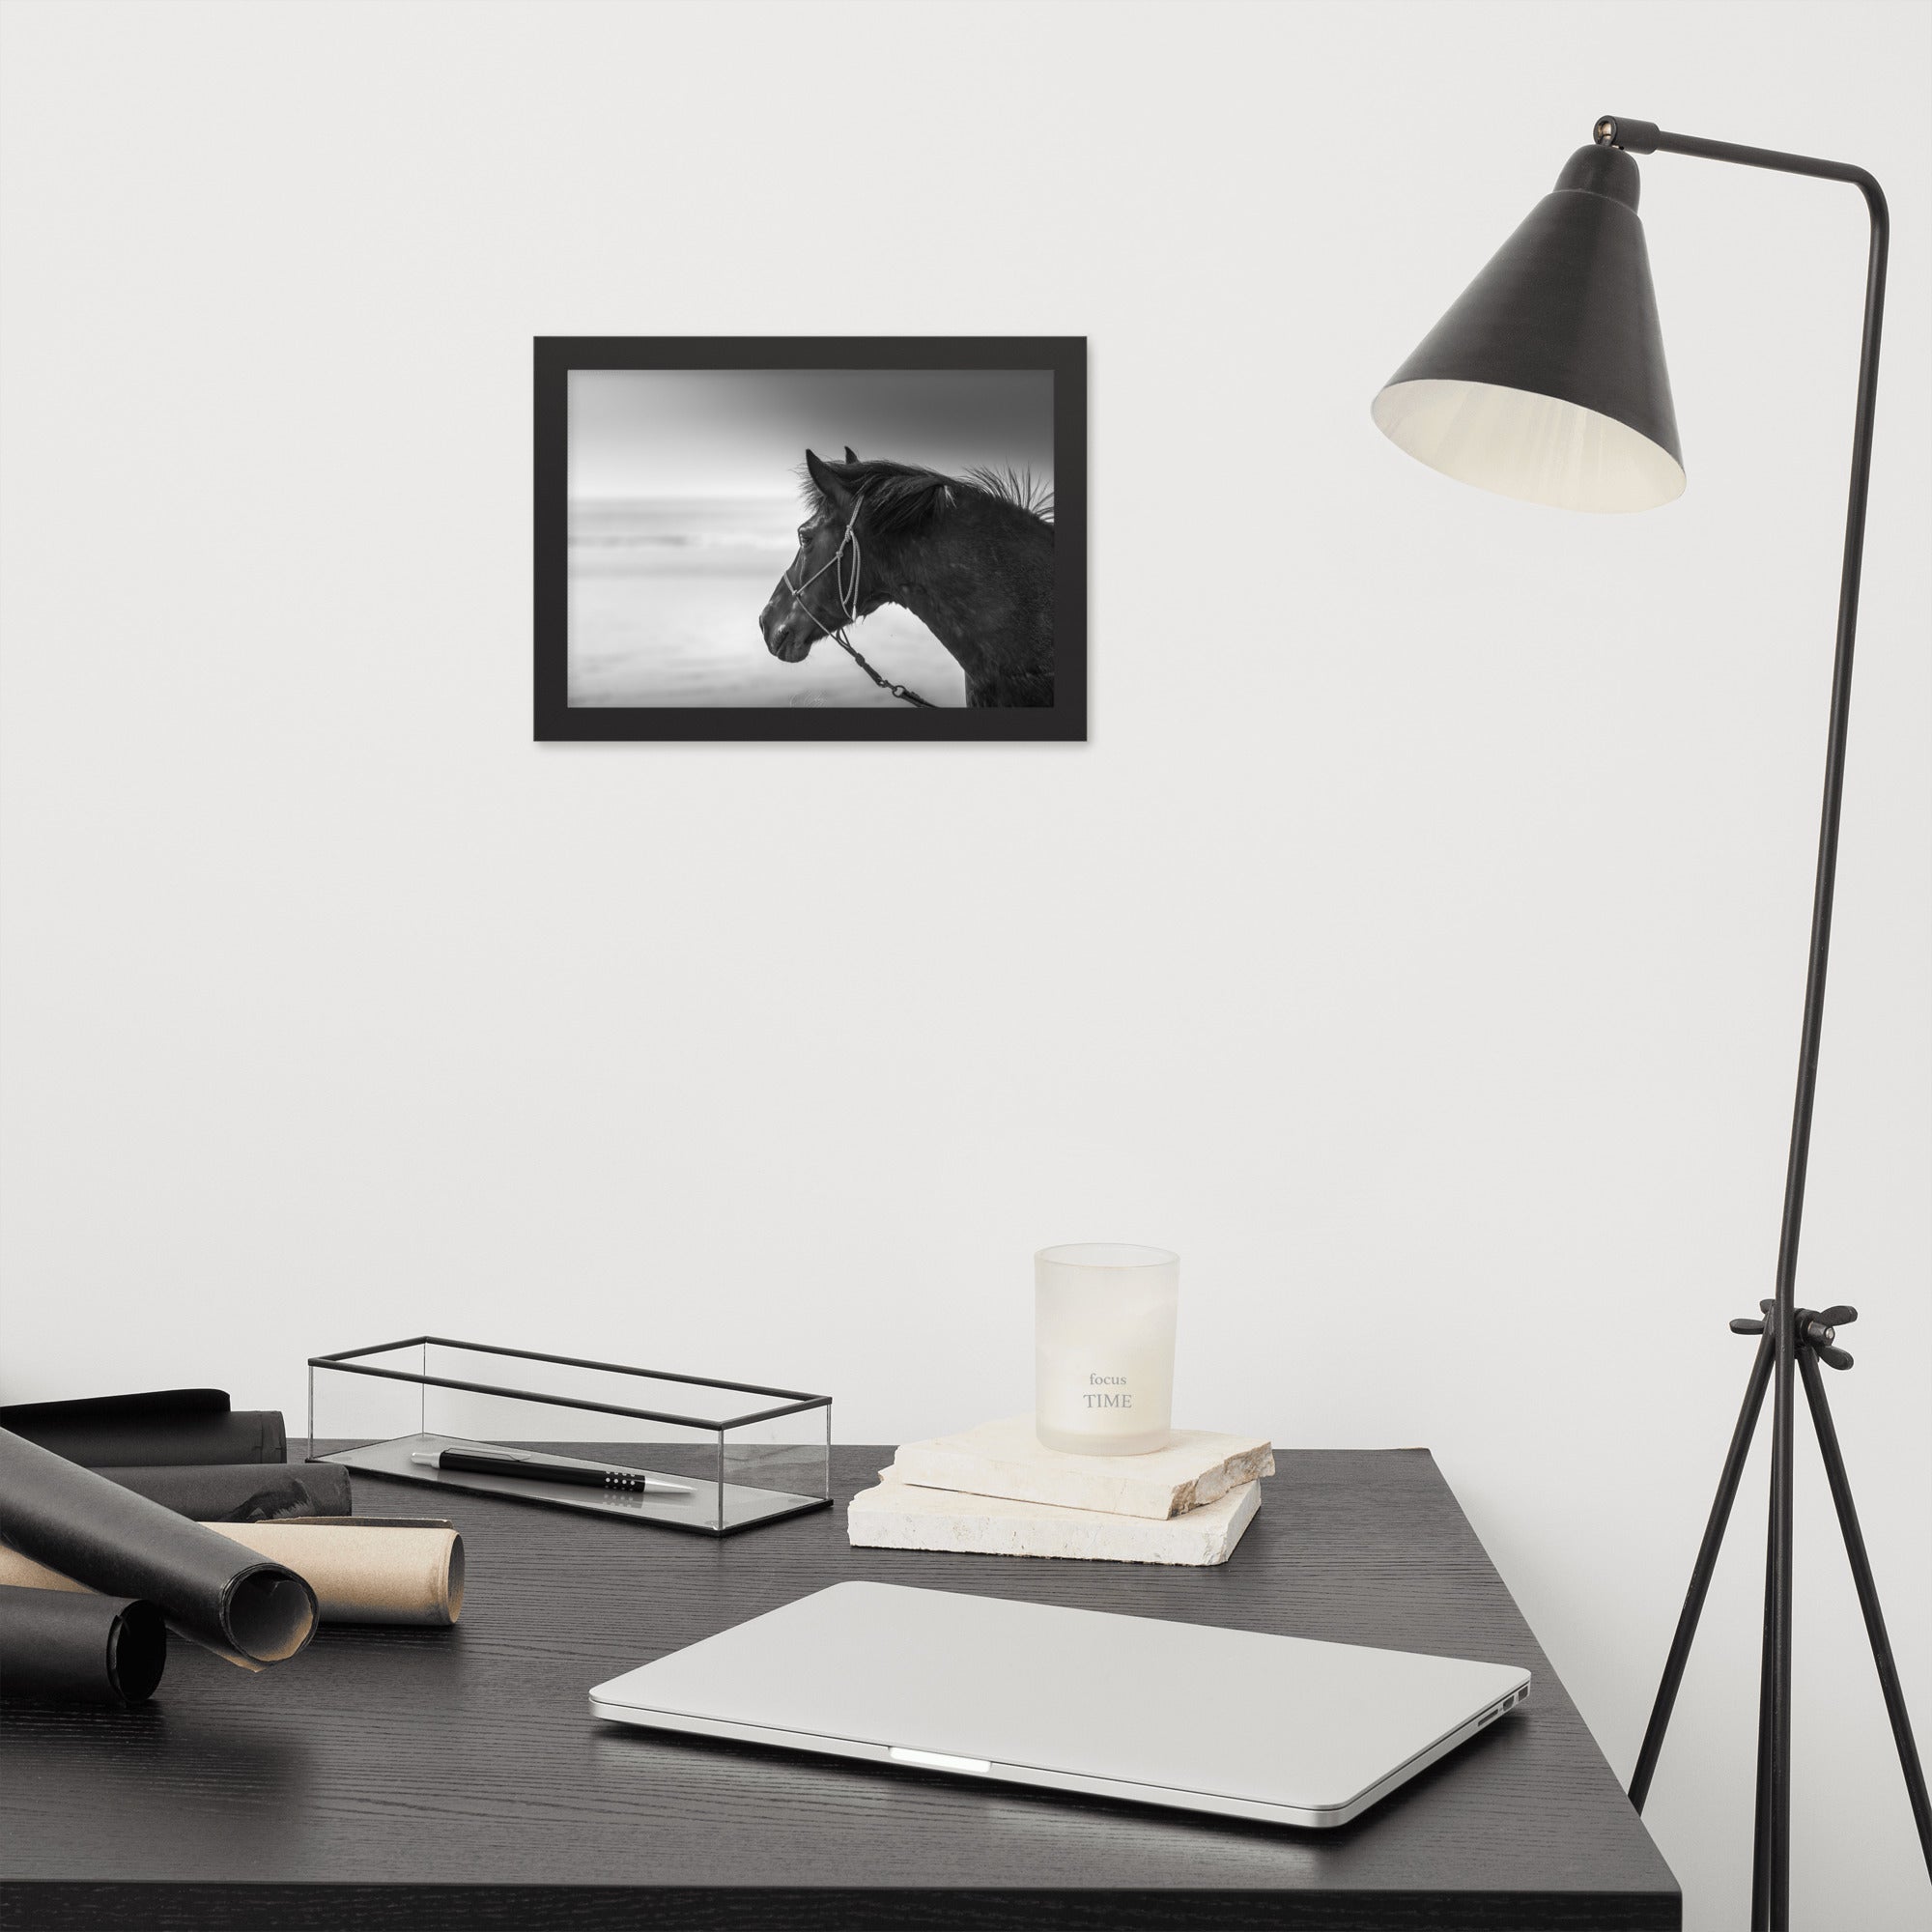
(1546, 381)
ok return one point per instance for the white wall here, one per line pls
(1417, 946)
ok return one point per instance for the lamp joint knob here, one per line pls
(1618, 130)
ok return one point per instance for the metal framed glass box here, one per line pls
(683, 1452)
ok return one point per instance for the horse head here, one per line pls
(821, 591)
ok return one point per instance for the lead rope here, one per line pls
(848, 604)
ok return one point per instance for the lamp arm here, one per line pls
(1774, 1846)
(1646, 137)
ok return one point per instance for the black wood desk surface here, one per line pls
(429, 1779)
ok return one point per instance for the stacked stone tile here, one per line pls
(995, 1491)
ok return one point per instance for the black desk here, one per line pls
(421, 1779)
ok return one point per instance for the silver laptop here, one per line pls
(1279, 1728)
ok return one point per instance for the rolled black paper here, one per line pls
(242, 1491)
(66, 1646)
(161, 1426)
(252, 1611)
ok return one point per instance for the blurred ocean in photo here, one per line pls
(665, 595)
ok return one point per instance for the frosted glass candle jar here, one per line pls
(1103, 1348)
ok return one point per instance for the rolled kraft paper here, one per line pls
(363, 1570)
(241, 1492)
(162, 1426)
(59, 1647)
(367, 1570)
(247, 1609)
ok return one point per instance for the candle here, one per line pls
(1103, 1348)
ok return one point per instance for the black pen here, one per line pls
(538, 1468)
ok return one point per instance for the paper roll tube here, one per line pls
(367, 1570)
(58, 1647)
(241, 1492)
(363, 1570)
(247, 1609)
(164, 1426)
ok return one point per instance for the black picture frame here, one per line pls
(556, 355)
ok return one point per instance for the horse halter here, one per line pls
(848, 603)
(848, 600)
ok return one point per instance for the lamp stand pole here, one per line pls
(1793, 1337)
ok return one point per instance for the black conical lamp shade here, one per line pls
(1545, 380)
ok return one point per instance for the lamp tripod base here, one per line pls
(1814, 1339)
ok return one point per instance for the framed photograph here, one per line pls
(837, 537)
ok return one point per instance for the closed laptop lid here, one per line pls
(1238, 1714)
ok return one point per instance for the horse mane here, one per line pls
(902, 498)
(1021, 487)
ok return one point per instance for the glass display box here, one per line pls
(681, 1452)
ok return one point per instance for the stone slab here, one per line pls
(1006, 1458)
(904, 1516)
